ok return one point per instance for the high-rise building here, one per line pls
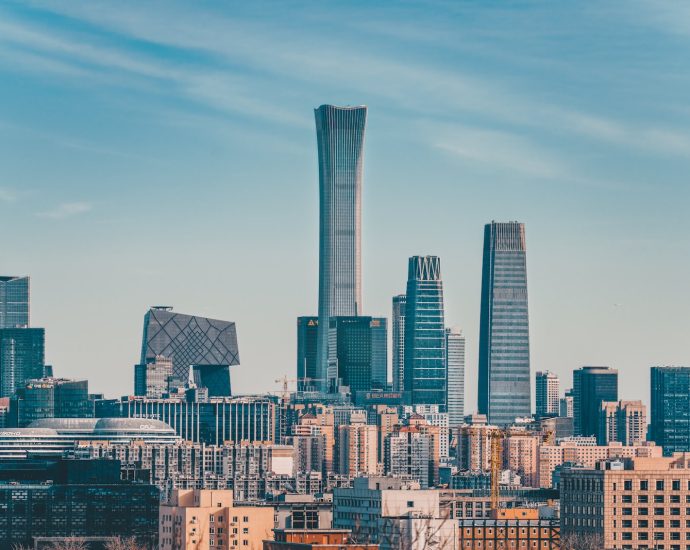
(591, 387)
(407, 453)
(623, 421)
(340, 141)
(425, 340)
(670, 408)
(187, 340)
(355, 345)
(547, 392)
(214, 378)
(308, 373)
(565, 407)
(22, 357)
(51, 398)
(398, 329)
(357, 449)
(455, 369)
(14, 302)
(153, 378)
(379, 353)
(504, 364)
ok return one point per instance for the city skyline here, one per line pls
(79, 243)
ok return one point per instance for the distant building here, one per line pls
(209, 520)
(153, 378)
(22, 357)
(379, 353)
(315, 539)
(398, 332)
(357, 449)
(214, 378)
(630, 503)
(187, 340)
(308, 373)
(455, 369)
(408, 454)
(670, 408)
(74, 498)
(474, 446)
(340, 142)
(504, 361)
(425, 346)
(510, 528)
(565, 407)
(51, 398)
(14, 302)
(521, 455)
(624, 421)
(591, 387)
(547, 394)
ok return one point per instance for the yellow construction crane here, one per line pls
(496, 440)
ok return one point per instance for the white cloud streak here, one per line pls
(66, 210)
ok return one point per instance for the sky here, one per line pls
(164, 153)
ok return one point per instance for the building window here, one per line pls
(659, 484)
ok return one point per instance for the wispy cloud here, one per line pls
(7, 194)
(66, 210)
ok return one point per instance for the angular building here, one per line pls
(455, 367)
(504, 365)
(425, 339)
(215, 378)
(14, 302)
(22, 357)
(398, 329)
(188, 340)
(670, 408)
(591, 387)
(340, 141)
(308, 373)
(547, 394)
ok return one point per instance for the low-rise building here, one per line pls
(322, 539)
(511, 529)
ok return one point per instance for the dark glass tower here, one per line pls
(307, 366)
(22, 357)
(591, 387)
(14, 302)
(670, 422)
(398, 332)
(425, 340)
(340, 140)
(379, 353)
(504, 368)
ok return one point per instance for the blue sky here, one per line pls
(164, 153)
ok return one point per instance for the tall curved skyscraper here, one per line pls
(340, 140)
(504, 369)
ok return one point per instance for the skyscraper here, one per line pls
(22, 357)
(623, 421)
(398, 328)
(308, 373)
(425, 342)
(547, 394)
(379, 353)
(455, 367)
(670, 408)
(187, 340)
(504, 368)
(591, 387)
(14, 302)
(340, 140)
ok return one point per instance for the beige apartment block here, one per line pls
(639, 503)
(199, 519)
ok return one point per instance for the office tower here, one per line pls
(214, 378)
(51, 398)
(379, 353)
(340, 141)
(591, 387)
(670, 408)
(188, 340)
(22, 358)
(566, 405)
(504, 368)
(455, 367)
(398, 328)
(153, 378)
(547, 392)
(622, 421)
(425, 341)
(307, 364)
(354, 347)
(14, 302)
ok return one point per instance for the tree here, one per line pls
(582, 541)
(119, 543)
(69, 544)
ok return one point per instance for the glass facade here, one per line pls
(14, 302)
(188, 340)
(51, 398)
(379, 353)
(398, 330)
(504, 391)
(22, 357)
(455, 367)
(425, 341)
(670, 408)
(215, 378)
(352, 352)
(308, 373)
(340, 141)
(591, 387)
